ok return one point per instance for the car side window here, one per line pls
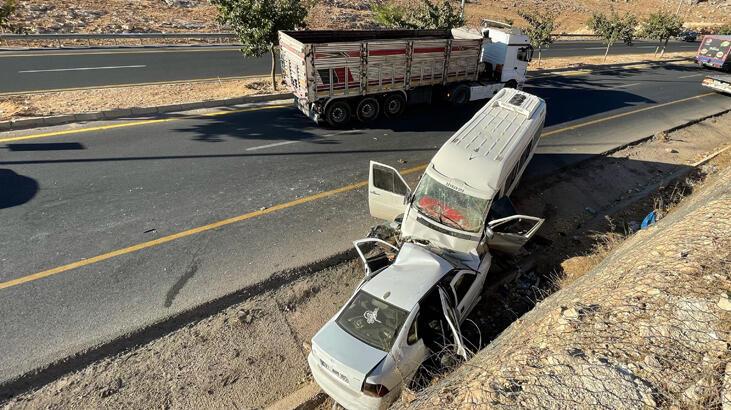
(525, 54)
(384, 178)
(462, 285)
(413, 335)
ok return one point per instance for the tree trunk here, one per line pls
(606, 53)
(274, 66)
(539, 57)
(662, 53)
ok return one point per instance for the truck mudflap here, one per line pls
(308, 109)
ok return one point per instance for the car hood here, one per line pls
(346, 358)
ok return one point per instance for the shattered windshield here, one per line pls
(448, 206)
(372, 321)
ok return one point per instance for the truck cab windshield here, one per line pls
(449, 207)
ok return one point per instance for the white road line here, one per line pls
(81, 69)
(276, 144)
(692, 75)
(626, 85)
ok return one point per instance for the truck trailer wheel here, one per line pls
(338, 114)
(394, 105)
(368, 109)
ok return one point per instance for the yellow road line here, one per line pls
(96, 53)
(149, 244)
(137, 123)
(104, 87)
(624, 114)
(275, 208)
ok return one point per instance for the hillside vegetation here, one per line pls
(648, 327)
(87, 16)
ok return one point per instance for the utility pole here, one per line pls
(461, 13)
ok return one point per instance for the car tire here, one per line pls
(367, 110)
(394, 105)
(511, 84)
(338, 114)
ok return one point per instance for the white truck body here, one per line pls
(335, 75)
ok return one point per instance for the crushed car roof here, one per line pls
(414, 272)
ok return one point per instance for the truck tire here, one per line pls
(338, 114)
(460, 95)
(511, 84)
(368, 109)
(394, 105)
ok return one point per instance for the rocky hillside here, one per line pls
(648, 327)
(116, 16)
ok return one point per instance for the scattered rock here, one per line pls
(724, 303)
(111, 389)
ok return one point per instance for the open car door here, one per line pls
(387, 192)
(512, 233)
(451, 317)
(376, 260)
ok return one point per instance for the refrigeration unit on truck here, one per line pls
(714, 52)
(338, 75)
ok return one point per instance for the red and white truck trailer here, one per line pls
(338, 75)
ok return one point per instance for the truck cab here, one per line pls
(479, 165)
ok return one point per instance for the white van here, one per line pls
(479, 165)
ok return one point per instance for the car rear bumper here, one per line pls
(345, 396)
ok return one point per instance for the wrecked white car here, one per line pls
(397, 317)
(416, 294)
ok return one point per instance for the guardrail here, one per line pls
(60, 38)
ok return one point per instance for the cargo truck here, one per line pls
(340, 75)
(714, 52)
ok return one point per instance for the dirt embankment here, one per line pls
(648, 327)
(116, 16)
(254, 352)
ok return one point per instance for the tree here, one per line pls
(539, 29)
(7, 9)
(429, 15)
(725, 29)
(257, 22)
(426, 16)
(613, 28)
(390, 15)
(661, 26)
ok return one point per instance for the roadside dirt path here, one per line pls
(254, 353)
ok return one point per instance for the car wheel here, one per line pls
(394, 105)
(368, 109)
(338, 114)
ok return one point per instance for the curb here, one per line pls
(26, 123)
(306, 398)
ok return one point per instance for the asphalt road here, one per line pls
(137, 191)
(62, 69)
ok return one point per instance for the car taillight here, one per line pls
(374, 390)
